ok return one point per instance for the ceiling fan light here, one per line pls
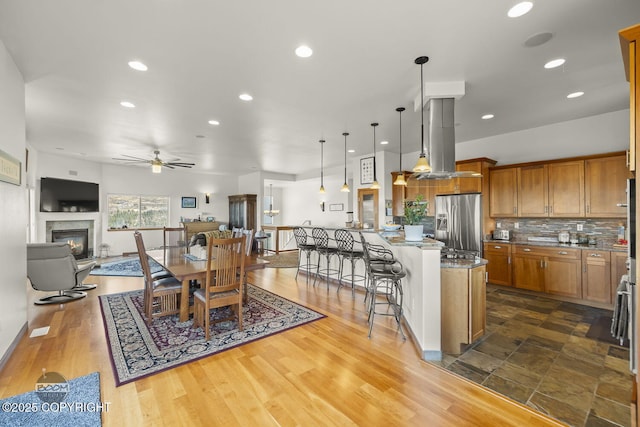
(400, 179)
(345, 188)
(156, 167)
(422, 165)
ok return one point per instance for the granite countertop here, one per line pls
(600, 246)
(462, 263)
(396, 238)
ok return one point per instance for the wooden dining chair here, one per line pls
(223, 282)
(161, 295)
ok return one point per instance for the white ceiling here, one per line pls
(202, 54)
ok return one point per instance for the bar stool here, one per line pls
(378, 255)
(346, 251)
(384, 283)
(321, 239)
(304, 245)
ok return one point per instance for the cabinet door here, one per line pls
(566, 189)
(469, 185)
(596, 276)
(499, 263)
(563, 276)
(605, 186)
(528, 272)
(533, 191)
(477, 303)
(503, 193)
(618, 268)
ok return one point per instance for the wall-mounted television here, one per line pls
(63, 195)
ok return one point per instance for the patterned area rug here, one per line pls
(80, 406)
(138, 351)
(125, 267)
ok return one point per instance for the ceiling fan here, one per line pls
(156, 163)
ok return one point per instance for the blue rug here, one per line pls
(126, 267)
(81, 406)
(138, 350)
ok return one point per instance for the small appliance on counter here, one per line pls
(501, 234)
(564, 237)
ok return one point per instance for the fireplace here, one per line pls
(78, 240)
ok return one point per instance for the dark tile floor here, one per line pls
(536, 352)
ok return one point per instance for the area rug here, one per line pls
(125, 267)
(283, 260)
(138, 351)
(80, 406)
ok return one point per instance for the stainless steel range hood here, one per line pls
(442, 142)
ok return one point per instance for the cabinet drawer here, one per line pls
(567, 253)
(498, 248)
(528, 250)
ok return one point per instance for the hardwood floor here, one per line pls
(323, 373)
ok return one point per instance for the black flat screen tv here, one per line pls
(63, 195)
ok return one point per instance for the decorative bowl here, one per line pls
(391, 227)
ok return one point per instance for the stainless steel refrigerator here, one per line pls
(459, 221)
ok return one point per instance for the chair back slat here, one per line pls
(320, 237)
(144, 258)
(227, 257)
(248, 244)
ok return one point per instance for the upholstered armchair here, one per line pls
(51, 267)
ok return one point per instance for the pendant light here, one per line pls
(375, 184)
(345, 186)
(423, 164)
(400, 178)
(271, 212)
(322, 141)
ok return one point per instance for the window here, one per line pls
(137, 211)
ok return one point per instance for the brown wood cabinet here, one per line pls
(562, 272)
(618, 268)
(605, 185)
(498, 256)
(242, 211)
(566, 189)
(191, 228)
(596, 276)
(528, 268)
(503, 192)
(398, 194)
(630, 45)
(533, 191)
(463, 306)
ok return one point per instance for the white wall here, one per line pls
(13, 206)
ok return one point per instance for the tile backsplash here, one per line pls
(604, 230)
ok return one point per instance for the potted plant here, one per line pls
(414, 213)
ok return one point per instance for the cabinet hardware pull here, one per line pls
(595, 255)
(497, 247)
(621, 205)
(527, 250)
(563, 252)
(588, 209)
(508, 260)
(514, 209)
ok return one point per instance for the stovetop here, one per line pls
(452, 253)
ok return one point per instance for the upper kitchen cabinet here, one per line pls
(533, 191)
(566, 189)
(503, 192)
(605, 186)
(629, 42)
(399, 193)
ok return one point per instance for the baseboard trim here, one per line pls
(14, 344)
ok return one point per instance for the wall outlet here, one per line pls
(579, 227)
(498, 225)
(516, 225)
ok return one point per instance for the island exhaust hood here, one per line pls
(442, 142)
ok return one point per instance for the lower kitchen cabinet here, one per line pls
(618, 268)
(596, 276)
(528, 268)
(552, 270)
(498, 256)
(463, 306)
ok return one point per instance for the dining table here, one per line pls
(187, 267)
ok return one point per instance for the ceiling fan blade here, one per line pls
(167, 166)
(133, 157)
(131, 160)
(181, 164)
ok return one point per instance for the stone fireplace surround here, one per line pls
(62, 222)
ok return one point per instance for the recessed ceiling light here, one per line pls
(384, 142)
(575, 95)
(488, 116)
(538, 39)
(304, 51)
(554, 63)
(199, 136)
(245, 97)
(520, 9)
(214, 122)
(137, 65)
(351, 150)
(60, 148)
(128, 104)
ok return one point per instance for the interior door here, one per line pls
(368, 208)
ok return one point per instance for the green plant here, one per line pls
(415, 210)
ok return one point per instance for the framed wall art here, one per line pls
(188, 202)
(366, 170)
(10, 169)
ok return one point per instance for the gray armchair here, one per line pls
(52, 267)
